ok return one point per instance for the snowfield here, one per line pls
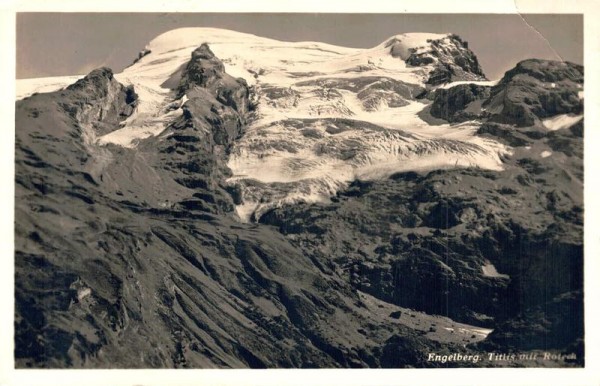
(327, 115)
(26, 87)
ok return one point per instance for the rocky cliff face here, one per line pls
(533, 90)
(69, 122)
(459, 103)
(194, 153)
(429, 250)
(536, 89)
(102, 101)
(555, 323)
(452, 59)
(429, 241)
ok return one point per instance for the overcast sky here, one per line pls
(50, 44)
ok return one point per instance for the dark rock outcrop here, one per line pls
(533, 90)
(100, 100)
(505, 133)
(536, 89)
(547, 71)
(217, 102)
(60, 128)
(555, 324)
(459, 103)
(215, 114)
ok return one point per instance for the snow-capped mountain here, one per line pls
(326, 115)
(235, 201)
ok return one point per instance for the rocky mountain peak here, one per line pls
(546, 71)
(528, 94)
(98, 82)
(204, 70)
(450, 56)
(203, 52)
(536, 89)
(100, 102)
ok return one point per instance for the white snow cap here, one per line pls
(194, 36)
(402, 45)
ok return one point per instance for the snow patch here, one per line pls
(545, 154)
(489, 83)
(152, 113)
(489, 270)
(561, 121)
(482, 333)
(82, 293)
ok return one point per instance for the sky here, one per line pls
(53, 44)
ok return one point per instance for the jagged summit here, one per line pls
(203, 69)
(95, 76)
(546, 71)
(165, 53)
(448, 53)
(544, 93)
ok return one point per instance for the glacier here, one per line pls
(327, 115)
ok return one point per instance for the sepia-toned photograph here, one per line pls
(299, 191)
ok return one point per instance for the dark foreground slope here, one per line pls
(133, 258)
